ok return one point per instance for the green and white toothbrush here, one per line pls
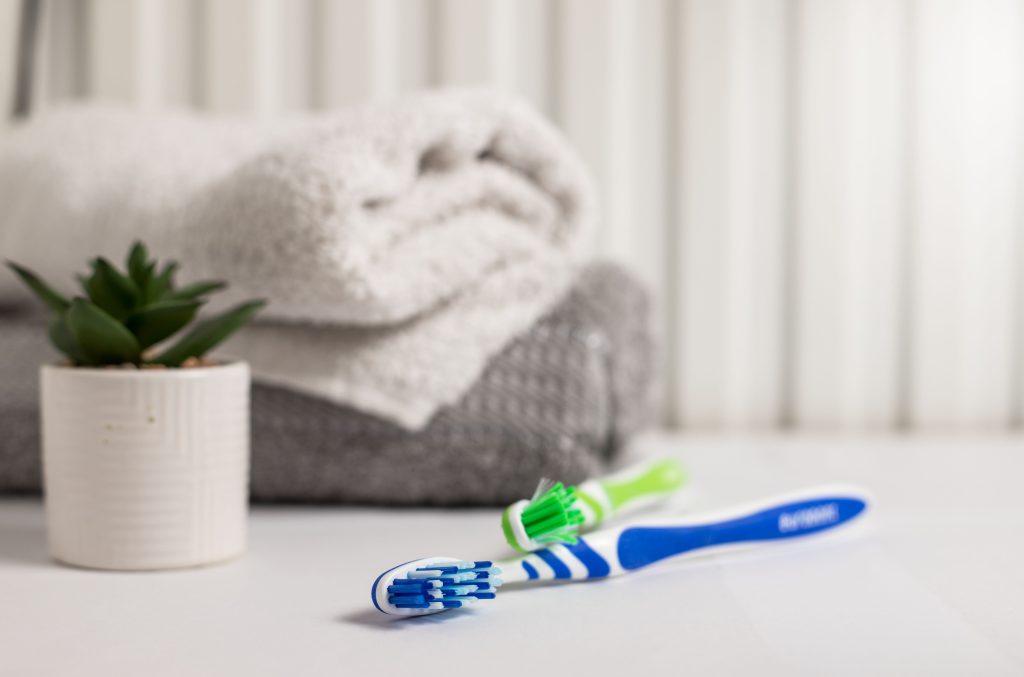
(557, 513)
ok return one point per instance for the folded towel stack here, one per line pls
(404, 247)
(559, 401)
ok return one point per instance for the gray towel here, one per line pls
(559, 401)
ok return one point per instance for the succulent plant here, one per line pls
(123, 316)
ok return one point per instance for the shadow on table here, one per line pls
(374, 619)
(23, 543)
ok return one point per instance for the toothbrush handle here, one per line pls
(611, 552)
(790, 516)
(630, 489)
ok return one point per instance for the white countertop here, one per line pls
(932, 583)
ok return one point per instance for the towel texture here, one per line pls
(408, 372)
(427, 232)
(559, 401)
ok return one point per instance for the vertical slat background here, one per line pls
(125, 50)
(821, 194)
(732, 210)
(64, 75)
(476, 42)
(592, 48)
(9, 15)
(369, 49)
(850, 217)
(241, 50)
(968, 212)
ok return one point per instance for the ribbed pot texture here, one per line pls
(145, 469)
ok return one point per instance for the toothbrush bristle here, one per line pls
(449, 585)
(552, 515)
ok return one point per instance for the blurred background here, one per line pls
(823, 194)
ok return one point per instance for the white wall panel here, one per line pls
(371, 48)
(599, 108)
(125, 56)
(179, 53)
(967, 211)
(9, 15)
(63, 74)
(647, 225)
(477, 41)
(245, 51)
(732, 193)
(504, 43)
(535, 75)
(850, 212)
(294, 56)
(587, 44)
(1017, 340)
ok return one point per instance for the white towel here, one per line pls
(426, 232)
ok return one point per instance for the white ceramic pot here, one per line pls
(146, 469)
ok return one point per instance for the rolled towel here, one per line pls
(442, 219)
(560, 401)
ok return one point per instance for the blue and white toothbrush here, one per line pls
(434, 584)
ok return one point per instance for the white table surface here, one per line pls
(932, 583)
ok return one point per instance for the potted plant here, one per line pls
(145, 439)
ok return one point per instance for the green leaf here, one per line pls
(112, 290)
(147, 289)
(138, 257)
(62, 340)
(157, 322)
(101, 338)
(162, 283)
(55, 301)
(196, 289)
(208, 334)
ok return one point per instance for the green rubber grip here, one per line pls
(659, 477)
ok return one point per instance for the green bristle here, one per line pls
(551, 516)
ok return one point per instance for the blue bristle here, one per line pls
(448, 586)
(411, 599)
(412, 584)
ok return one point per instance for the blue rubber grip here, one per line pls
(640, 546)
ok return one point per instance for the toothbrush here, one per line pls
(556, 513)
(434, 584)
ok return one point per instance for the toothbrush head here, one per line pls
(551, 516)
(434, 584)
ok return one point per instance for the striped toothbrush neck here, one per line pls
(561, 562)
